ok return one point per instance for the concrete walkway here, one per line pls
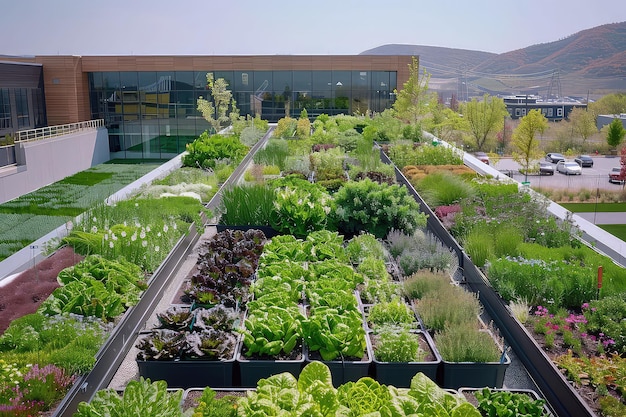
(604, 217)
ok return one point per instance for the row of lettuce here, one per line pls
(507, 232)
(311, 393)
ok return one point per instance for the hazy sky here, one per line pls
(278, 27)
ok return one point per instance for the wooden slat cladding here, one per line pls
(244, 62)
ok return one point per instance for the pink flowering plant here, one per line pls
(570, 331)
(27, 391)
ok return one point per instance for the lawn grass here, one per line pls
(617, 230)
(593, 207)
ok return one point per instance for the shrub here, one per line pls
(206, 150)
(376, 209)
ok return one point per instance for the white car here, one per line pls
(569, 168)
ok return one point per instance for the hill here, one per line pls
(592, 61)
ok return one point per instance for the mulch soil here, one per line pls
(24, 293)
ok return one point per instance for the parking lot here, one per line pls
(591, 178)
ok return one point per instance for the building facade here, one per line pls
(518, 106)
(149, 102)
(22, 103)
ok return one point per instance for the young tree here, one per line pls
(583, 124)
(615, 133)
(610, 104)
(216, 112)
(412, 101)
(484, 119)
(525, 143)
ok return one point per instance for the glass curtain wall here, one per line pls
(153, 114)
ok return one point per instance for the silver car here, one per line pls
(569, 168)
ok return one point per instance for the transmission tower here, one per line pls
(554, 90)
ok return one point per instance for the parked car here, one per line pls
(584, 161)
(569, 168)
(482, 156)
(546, 168)
(615, 175)
(554, 157)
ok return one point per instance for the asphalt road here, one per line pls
(596, 178)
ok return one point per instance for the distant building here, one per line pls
(605, 119)
(554, 109)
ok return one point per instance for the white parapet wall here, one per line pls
(36, 251)
(43, 162)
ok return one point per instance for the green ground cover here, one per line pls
(33, 215)
(617, 230)
(593, 207)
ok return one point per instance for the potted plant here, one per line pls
(501, 402)
(271, 343)
(400, 353)
(225, 268)
(190, 351)
(471, 357)
(338, 340)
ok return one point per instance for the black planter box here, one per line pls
(191, 373)
(474, 374)
(400, 374)
(252, 370)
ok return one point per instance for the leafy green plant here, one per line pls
(225, 268)
(300, 209)
(395, 312)
(96, 287)
(141, 398)
(335, 335)
(509, 403)
(272, 330)
(206, 150)
(211, 406)
(541, 282)
(376, 208)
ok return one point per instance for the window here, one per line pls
(5, 109)
(21, 105)
(559, 112)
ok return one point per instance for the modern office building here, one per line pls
(148, 103)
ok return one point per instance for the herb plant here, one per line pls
(392, 344)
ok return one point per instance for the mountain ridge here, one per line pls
(592, 60)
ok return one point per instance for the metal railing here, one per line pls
(54, 131)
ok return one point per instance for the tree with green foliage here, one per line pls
(615, 133)
(525, 143)
(484, 119)
(444, 123)
(610, 104)
(216, 112)
(583, 124)
(412, 101)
